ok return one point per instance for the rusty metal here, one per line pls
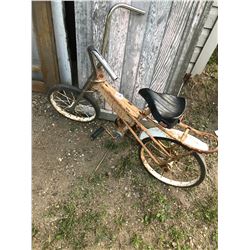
(142, 144)
(202, 134)
(185, 133)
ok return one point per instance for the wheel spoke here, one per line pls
(73, 97)
(60, 100)
(64, 95)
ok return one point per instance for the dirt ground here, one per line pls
(77, 205)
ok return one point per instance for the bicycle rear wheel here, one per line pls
(187, 171)
(62, 97)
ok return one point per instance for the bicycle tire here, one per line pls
(176, 183)
(66, 92)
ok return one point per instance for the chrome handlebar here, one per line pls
(94, 52)
(108, 20)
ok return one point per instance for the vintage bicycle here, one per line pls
(168, 148)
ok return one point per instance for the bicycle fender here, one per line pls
(189, 141)
(155, 132)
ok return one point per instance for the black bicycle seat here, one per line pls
(164, 107)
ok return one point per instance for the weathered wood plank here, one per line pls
(42, 20)
(206, 52)
(61, 42)
(215, 3)
(191, 36)
(213, 14)
(156, 23)
(35, 55)
(203, 37)
(190, 67)
(117, 41)
(83, 16)
(135, 36)
(195, 55)
(173, 34)
(100, 10)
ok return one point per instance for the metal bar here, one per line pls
(142, 144)
(151, 137)
(108, 20)
(93, 51)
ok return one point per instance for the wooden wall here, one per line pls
(152, 50)
(206, 44)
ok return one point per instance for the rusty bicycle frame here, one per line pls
(129, 116)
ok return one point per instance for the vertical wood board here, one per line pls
(43, 26)
(156, 24)
(174, 30)
(135, 37)
(83, 16)
(175, 79)
(61, 42)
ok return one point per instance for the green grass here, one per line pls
(176, 234)
(119, 221)
(34, 230)
(215, 238)
(207, 211)
(125, 164)
(138, 243)
(75, 225)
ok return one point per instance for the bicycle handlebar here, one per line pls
(93, 51)
(108, 19)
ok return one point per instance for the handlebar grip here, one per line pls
(93, 51)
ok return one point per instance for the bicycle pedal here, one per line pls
(96, 133)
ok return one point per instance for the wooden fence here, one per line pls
(152, 50)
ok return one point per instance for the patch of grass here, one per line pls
(157, 208)
(125, 164)
(97, 178)
(214, 58)
(136, 241)
(34, 230)
(178, 238)
(207, 211)
(119, 220)
(66, 224)
(110, 144)
(215, 238)
(176, 234)
(104, 234)
(76, 224)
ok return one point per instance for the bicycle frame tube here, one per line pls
(108, 20)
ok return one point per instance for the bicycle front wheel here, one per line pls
(62, 97)
(185, 168)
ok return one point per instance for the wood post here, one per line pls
(42, 20)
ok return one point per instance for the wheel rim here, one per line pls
(62, 100)
(184, 172)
